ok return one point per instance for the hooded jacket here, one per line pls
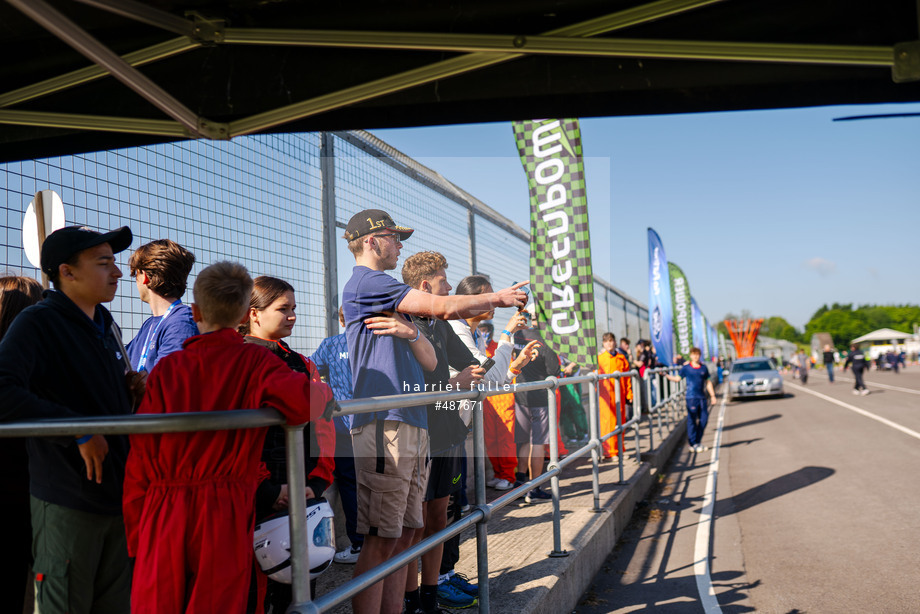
(57, 363)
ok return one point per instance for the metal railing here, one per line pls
(667, 405)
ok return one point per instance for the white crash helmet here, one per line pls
(272, 542)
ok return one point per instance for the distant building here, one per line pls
(818, 341)
(884, 340)
(780, 350)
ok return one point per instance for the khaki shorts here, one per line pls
(391, 466)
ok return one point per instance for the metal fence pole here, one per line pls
(669, 404)
(637, 412)
(330, 281)
(619, 421)
(297, 516)
(482, 529)
(593, 422)
(643, 383)
(554, 464)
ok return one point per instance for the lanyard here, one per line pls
(142, 363)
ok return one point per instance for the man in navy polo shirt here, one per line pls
(698, 382)
(387, 356)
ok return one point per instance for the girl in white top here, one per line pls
(505, 368)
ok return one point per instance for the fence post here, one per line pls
(619, 427)
(330, 280)
(471, 220)
(593, 424)
(643, 383)
(297, 517)
(670, 404)
(554, 464)
(637, 412)
(482, 529)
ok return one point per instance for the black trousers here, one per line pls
(858, 374)
(451, 552)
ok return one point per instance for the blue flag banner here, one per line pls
(659, 300)
(697, 318)
(713, 342)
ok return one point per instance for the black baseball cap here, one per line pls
(371, 220)
(62, 244)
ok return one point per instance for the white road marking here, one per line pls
(859, 411)
(888, 386)
(701, 552)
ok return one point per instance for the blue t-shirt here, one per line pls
(178, 327)
(381, 365)
(696, 380)
(331, 360)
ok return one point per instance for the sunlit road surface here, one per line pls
(817, 509)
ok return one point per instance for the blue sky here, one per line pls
(776, 212)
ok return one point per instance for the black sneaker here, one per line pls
(537, 495)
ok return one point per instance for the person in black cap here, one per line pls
(61, 359)
(391, 447)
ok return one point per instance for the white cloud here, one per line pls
(823, 267)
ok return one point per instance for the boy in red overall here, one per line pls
(189, 497)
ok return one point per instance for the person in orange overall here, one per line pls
(611, 361)
(498, 425)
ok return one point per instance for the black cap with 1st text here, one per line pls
(374, 220)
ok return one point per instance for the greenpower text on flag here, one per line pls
(561, 275)
(680, 306)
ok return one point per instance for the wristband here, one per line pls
(418, 332)
(506, 332)
(83, 439)
(514, 371)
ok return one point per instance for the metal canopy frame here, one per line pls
(481, 51)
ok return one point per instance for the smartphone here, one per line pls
(487, 364)
(525, 290)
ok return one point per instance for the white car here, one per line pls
(754, 377)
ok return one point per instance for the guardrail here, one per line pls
(482, 511)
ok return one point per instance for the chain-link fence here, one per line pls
(278, 204)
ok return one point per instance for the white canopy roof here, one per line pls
(883, 334)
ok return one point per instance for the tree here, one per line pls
(779, 328)
(844, 323)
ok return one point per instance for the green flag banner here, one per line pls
(561, 276)
(680, 302)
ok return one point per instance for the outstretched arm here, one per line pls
(454, 307)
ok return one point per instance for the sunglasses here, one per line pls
(388, 234)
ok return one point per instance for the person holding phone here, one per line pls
(505, 369)
(383, 364)
(447, 431)
(531, 429)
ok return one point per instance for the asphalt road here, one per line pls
(816, 509)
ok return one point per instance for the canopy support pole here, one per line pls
(94, 72)
(455, 66)
(557, 45)
(80, 40)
